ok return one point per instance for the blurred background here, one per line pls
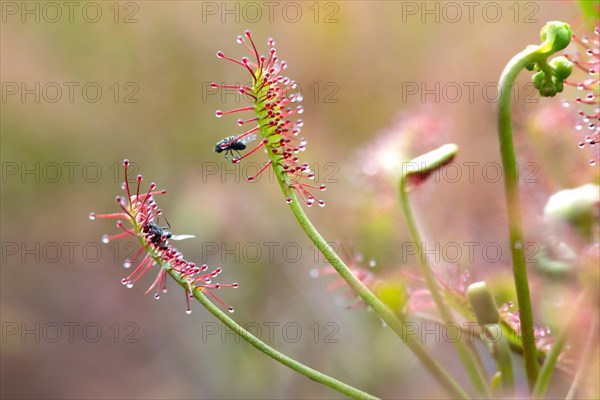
(87, 84)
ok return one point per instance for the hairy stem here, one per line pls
(384, 312)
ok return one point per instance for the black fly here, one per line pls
(231, 144)
(159, 236)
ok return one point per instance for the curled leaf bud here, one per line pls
(557, 35)
(549, 79)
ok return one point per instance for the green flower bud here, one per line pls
(557, 264)
(577, 207)
(539, 80)
(553, 267)
(548, 86)
(531, 66)
(496, 382)
(483, 304)
(547, 91)
(558, 34)
(557, 85)
(562, 67)
(394, 295)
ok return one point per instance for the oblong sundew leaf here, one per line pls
(419, 169)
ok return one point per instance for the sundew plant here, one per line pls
(513, 354)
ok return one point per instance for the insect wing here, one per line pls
(182, 237)
(247, 139)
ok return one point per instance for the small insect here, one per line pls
(231, 144)
(159, 235)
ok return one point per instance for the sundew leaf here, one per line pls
(419, 169)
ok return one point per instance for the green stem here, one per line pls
(478, 362)
(361, 290)
(484, 306)
(543, 379)
(310, 373)
(377, 305)
(501, 353)
(466, 356)
(511, 187)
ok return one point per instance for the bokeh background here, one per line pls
(86, 85)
